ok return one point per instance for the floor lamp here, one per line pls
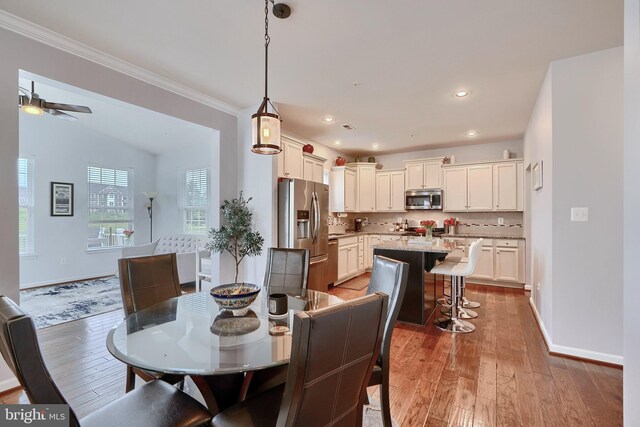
(150, 195)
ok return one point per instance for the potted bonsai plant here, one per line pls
(236, 236)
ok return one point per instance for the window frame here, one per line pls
(113, 240)
(30, 205)
(186, 209)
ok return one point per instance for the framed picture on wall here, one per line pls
(61, 199)
(536, 176)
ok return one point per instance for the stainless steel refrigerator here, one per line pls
(303, 209)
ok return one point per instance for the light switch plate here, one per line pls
(580, 214)
(500, 221)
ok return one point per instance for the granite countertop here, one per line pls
(443, 246)
(479, 235)
(444, 236)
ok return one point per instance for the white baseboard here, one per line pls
(572, 351)
(8, 384)
(65, 280)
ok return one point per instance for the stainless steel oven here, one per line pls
(423, 200)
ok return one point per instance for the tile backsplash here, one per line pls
(470, 222)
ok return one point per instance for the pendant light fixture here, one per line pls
(265, 125)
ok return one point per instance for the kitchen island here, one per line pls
(422, 292)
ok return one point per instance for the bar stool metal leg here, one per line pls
(465, 302)
(453, 323)
(463, 313)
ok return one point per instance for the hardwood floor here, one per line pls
(500, 375)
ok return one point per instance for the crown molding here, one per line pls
(43, 35)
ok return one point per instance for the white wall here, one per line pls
(19, 52)
(581, 273)
(587, 157)
(62, 150)
(538, 147)
(631, 213)
(168, 217)
(467, 153)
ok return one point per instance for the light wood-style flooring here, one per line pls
(500, 375)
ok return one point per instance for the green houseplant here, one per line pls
(235, 236)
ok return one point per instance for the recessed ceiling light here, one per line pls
(375, 145)
(328, 119)
(461, 93)
(472, 132)
(337, 142)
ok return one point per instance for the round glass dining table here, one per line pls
(191, 335)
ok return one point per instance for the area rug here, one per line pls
(52, 305)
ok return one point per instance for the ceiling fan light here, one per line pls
(32, 109)
(265, 133)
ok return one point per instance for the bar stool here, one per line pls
(446, 300)
(458, 270)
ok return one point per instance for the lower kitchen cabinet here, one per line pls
(347, 260)
(484, 268)
(370, 241)
(507, 260)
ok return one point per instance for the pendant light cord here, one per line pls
(267, 39)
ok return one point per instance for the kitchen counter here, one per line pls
(440, 246)
(404, 233)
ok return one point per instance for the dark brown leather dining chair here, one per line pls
(155, 404)
(145, 281)
(287, 268)
(332, 356)
(388, 276)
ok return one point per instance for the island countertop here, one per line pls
(443, 246)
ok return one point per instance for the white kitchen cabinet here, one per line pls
(484, 187)
(365, 185)
(484, 268)
(455, 189)
(371, 241)
(342, 189)
(390, 191)
(313, 168)
(390, 238)
(505, 187)
(507, 260)
(423, 173)
(347, 261)
(480, 188)
(293, 164)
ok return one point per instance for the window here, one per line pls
(110, 207)
(25, 206)
(195, 201)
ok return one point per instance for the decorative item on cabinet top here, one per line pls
(308, 148)
(340, 161)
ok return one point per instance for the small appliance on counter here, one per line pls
(358, 224)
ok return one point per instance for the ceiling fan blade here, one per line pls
(67, 107)
(61, 115)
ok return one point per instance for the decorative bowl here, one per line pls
(235, 296)
(308, 148)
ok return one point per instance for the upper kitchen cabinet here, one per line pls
(313, 167)
(423, 173)
(390, 191)
(290, 161)
(342, 189)
(366, 186)
(484, 187)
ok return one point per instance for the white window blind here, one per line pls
(110, 207)
(26, 239)
(195, 201)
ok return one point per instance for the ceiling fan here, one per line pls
(31, 103)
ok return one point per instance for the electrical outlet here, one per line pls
(500, 221)
(580, 214)
(63, 261)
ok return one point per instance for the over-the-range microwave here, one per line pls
(423, 199)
